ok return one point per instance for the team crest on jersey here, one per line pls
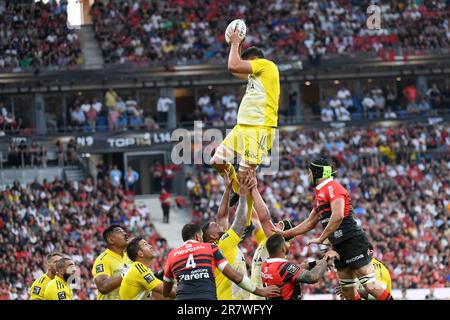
(99, 268)
(149, 278)
(36, 290)
(321, 195)
(292, 269)
(61, 296)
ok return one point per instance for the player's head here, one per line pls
(139, 249)
(276, 246)
(319, 169)
(212, 231)
(65, 267)
(252, 53)
(51, 261)
(115, 236)
(285, 225)
(192, 231)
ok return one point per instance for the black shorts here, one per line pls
(353, 252)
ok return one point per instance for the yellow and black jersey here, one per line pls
(58, 289)
(138, 283)
(111, 264)
(38, 287)
(259, 257)
(226, 289)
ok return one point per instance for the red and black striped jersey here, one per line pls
(193, 265)
(281, 273)
(327, 192)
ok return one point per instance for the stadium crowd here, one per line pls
(37, 36)
(68, 217)
(398, 179)
(185, 31)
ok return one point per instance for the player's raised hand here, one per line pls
(234, 36)
(331, 255)
(277, 230)
(244, 185)
(228, 181)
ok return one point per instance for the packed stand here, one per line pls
(68, 217)
(35, 36)
(385, 103)
(184, 32)
(398, 180)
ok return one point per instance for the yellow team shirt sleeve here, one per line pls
(259, 65)
(228, 244)
(149, 281)
(260, 236)
(37, 289)
(101, 267)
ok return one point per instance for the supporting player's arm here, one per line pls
(263, 212)
(223, 214)
(337, 215)
(304, 227)
(167, 288)
(235, 63)
(246, 184)
(107, 284)
(318, 271)
(245, 283)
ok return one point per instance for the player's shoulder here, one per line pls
(102, 256)
(140, 268)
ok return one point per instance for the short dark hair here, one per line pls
(252, 52)
(190, 230)
(133, 248)
(109, 230)
(274, 244)
(61, 262)
(205, 228)
(54, 254)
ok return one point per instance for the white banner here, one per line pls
(411, 294)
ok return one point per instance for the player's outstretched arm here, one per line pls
(262, 210)
(245, 283)
(107, 284)
(318, 271)
(235, 63)
(304, 227)
(240, 220)
(223, 214)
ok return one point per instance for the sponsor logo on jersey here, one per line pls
(354, 258)
(292, 269)
(338, 233)
(62, 295)
(149, 278)
(99, 268)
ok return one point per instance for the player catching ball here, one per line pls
(253, 135)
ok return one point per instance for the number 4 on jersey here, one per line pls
(190, 262)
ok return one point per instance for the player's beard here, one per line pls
(221, 234)
(67, 275)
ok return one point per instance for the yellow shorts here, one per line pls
(252, 143)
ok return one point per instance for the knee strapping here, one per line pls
(223, 155)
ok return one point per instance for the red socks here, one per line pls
(385, 296)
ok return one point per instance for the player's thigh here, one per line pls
(366, 277)
(256, 143)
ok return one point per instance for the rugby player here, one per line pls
(333, 208)
(112, 264)
(277, 270)
(38, 287)
(193, 265)
(139, 282)
(253, 135)
(58, 288)
(228, 239)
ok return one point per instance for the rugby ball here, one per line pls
(239, 25)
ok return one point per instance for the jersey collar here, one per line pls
(114, 254)
(194, 241)
(60, 279)
(272, 260)
(323, 183)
